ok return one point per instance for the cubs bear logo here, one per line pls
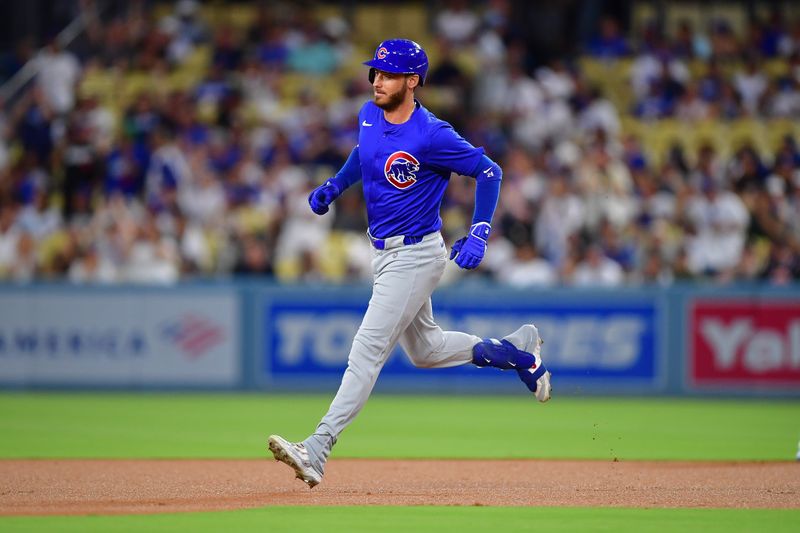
(400, 169)
(381, 53)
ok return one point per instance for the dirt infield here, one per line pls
(38, 487)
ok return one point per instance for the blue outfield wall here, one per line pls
(257, 336)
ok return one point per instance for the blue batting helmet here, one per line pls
(400, 56)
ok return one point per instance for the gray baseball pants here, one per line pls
(399, 311)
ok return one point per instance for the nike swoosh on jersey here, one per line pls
(365, 123)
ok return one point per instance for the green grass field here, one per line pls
(236, 426)
(424, 519)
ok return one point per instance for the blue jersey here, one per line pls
(406, 167)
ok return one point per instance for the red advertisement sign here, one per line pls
(744, 342)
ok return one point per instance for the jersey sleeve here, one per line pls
(450, 151)
(350, 172)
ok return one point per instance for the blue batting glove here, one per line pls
(321, 197)
(469, 251)
(454, 251)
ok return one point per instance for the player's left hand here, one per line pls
(469, 251)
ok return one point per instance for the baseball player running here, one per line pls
(404, 157)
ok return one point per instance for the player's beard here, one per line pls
(392, 101)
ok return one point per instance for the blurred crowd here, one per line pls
(212, 180)
(733, 79)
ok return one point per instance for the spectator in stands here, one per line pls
(604, 182)
(99, 122)
(5, 137)
(788, 150)
(782, 186)
(125, 169)
(204, 199)
(272, 50)
(618, 244)
(185, 29)
(58, 72)
(654, 105)
(782, 99)
(597, 270)
(560, 217)
(38, 218)
(688, 44)
(349, 215)
(213, 89)
(12, 61)
(81, 169)
(35, 126)
(747, 172)
(9, 238)
(767, 36)
(709, 166)
(337, 32)
(90, 267)
(141, 119)
(598, 114)
(527, 269)
(690, 107)
(315, 55)
(655, 270)
(227, 53)
(724, 44)
(609, 43)
(111, 46)
(556, 79)
(683, 43)
(24, 266)
(783, 265)
(719, 218)
(711, 82)
(729, 104)
(301, 231)
(789, 43)
(453, 88)
(456, 23)
(655, 204)
(254, 257)
(658, 65)
(750, 84)
(168, 170)
(152, 257)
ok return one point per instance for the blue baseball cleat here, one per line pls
(536, 377)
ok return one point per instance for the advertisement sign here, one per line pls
(744, 342)
(584, 342)
(119, 338)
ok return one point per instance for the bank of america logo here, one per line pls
(193, 335)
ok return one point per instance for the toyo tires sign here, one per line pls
(587, 343)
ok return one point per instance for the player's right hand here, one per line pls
(321, 197)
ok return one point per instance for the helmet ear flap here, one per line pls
(372, 75)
